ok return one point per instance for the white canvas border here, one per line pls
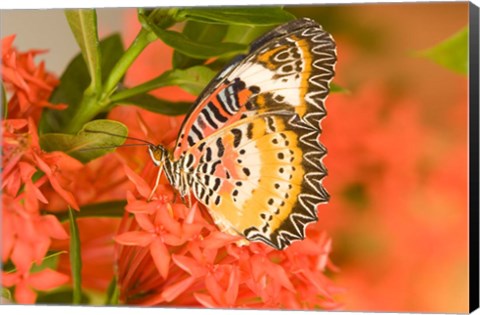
(124, 310)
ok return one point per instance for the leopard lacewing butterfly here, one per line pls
(249, 148)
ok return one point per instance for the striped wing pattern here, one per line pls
(250, 146)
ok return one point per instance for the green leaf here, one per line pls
(75, 258)
(240, 16)
(8, 266)
(61, 296)
(73, 83)
(83, 23)
(245, 34)
(156, 105)
(108, 209)
(4, 101)
(113, 292)
(161, 17)
(452, 53)
(356, 195)
(6, 296)
(86, 146)
(196, 49)
(335, 88)
(193, 80)
(49, 261)
(206, 33)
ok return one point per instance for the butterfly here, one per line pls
(249, 148)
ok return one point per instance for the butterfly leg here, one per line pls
(189, 201)
(183, 200)
(157, 181)
(187, 189)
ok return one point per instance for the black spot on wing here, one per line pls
(237, 137)
(220, 147)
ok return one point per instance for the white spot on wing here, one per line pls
(257, 75)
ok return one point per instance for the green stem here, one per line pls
(75, 258)
(4, 101)
(94, 103)
(88, 109)
(108, 209)
(113, 292)
(139, 89)
(142, 40)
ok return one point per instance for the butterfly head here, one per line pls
(159, 154)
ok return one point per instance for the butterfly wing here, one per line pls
(252, 139)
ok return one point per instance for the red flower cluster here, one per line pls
(27, 171)
(172, 255)
(30, 84)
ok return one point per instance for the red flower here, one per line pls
(26, 236)
(27, 172)
(25, 283)
(157, 222)
(96, 242)
(29, 84)
(96, 233)
(23, 157)
(84, 181)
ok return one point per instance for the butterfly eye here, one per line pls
(156, 154)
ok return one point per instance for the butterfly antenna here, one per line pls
(113, 147)
(120, 136)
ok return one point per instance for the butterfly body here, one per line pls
(249, 149)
